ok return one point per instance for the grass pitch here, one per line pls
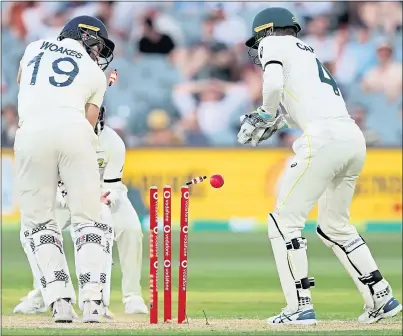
(231, 277)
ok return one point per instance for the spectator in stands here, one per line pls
(319, 39)
(386, 77)
(160, 131)
(207, 58)
(355, 52)
(359, 114)
(382, 16)
(220, 63)
(251, 75)
(54, 24)
(214, 105)
(154, 42)
(203, 42)
(228, 28)
(105, 11)
(9, 125)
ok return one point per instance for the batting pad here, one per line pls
(292, 265)
(44, 249)
(357, 259)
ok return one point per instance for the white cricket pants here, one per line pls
(41, 154)
(325, 169)
(128, 238)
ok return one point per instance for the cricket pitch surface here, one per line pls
(224, 326)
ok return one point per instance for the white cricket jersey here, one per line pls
(112, 144)
(311, 95)
(57, 79)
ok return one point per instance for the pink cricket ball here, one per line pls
(216, 181)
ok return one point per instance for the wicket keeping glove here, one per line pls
(259, 126)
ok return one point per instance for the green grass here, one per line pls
(230, 276)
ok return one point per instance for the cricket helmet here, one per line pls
(99, 126)
(94, 36)
(269, 19)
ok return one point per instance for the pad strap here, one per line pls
(371, 278)
(296, 244)
(305, 283)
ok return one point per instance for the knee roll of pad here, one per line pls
(348, 247)
(39, 237)
(353, 244)
(42, 235)
(88, 236)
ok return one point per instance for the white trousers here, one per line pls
(324, 171)
(42, 153)
(128, 237)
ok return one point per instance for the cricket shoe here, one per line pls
(304, 315)
(385, 306)
(31, 304)
(93, 311)
(135, 305)
(63, 311)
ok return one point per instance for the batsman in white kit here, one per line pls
(125, 221)
(62, 86)
(298, 91)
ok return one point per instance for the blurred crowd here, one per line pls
(184, 76)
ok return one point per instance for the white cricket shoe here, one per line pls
(31, 304)
(385, 306)
(63, 311)
(304, 315)
(135, 305)
(93, 311)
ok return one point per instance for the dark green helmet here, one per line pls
(269, 19)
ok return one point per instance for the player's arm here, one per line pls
(271, 57)
(95, 101)
(114, 169)
(262, 123)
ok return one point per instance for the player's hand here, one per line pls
(104, 198)
(254, 125)
(259, 126)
